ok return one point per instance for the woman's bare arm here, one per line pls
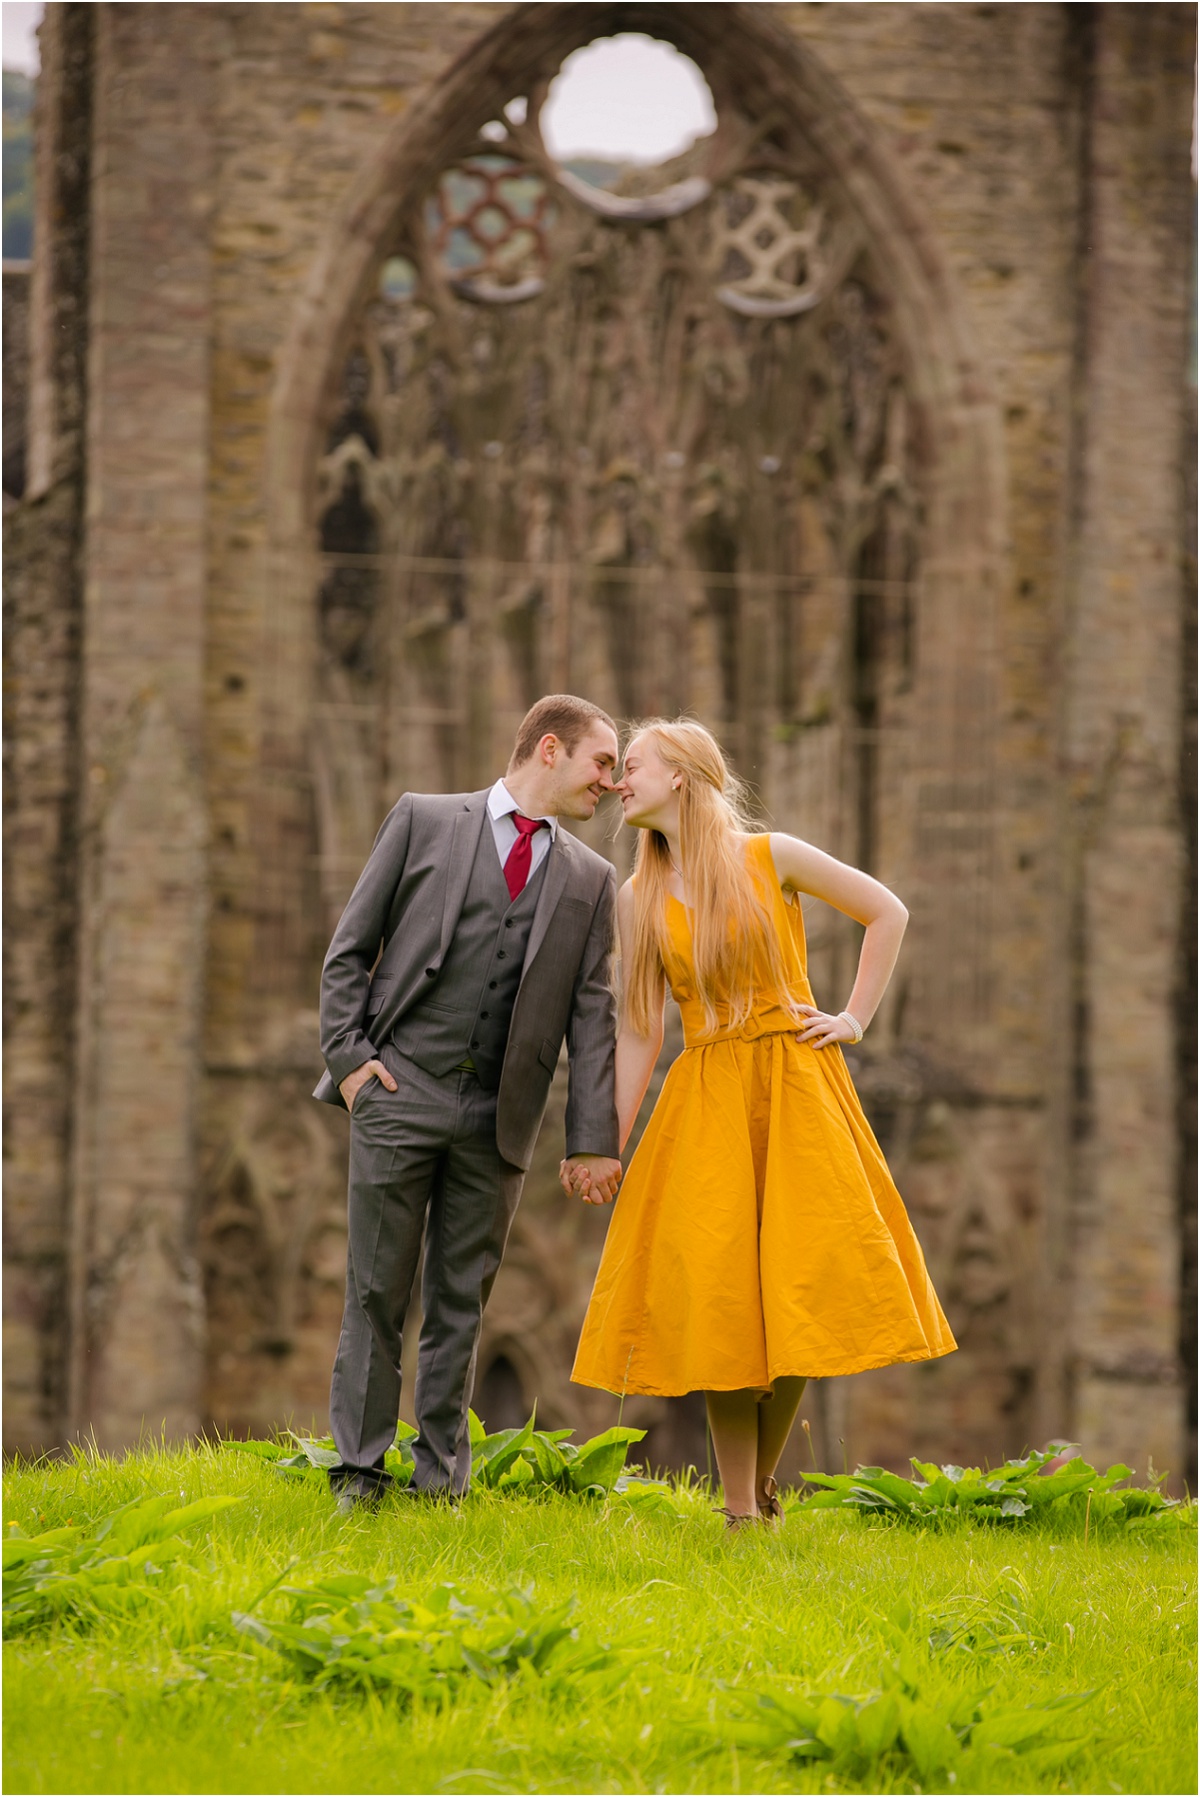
(802, 868)
(635, 1058)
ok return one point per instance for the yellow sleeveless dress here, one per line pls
(757, 1233)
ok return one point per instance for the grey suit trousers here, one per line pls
(422, 1159)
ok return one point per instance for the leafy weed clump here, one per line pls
(1040, 1486)
(523, 1460)
(350, 1630)
(899, 1730)
(117, 1566)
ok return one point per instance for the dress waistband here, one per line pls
(772, 1020)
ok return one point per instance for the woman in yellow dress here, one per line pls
(758, 1240)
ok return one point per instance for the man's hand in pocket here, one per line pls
(354, 1082)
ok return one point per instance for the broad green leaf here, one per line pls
(837, 1724)
(877, 1725)
(197, 1511)
(890, 1485)
(1143, 1503)
(1049, 1756)
(548, 1460)
(866, 1497)
(1018, 1728)
(262, 1450)
(497, 1459)
(399, 1462)
(601, 1460)
(1010, 1728)
(27, 1547)
(250, 1625)
(823, 1500)
(611, 1436)
(929, 1739)
(519, 1473)
(317, 1455)
(125, 1527)
(491, 1446)
(961, 1711)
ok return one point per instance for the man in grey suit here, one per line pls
(479, 935)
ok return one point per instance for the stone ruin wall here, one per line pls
(175, 1227)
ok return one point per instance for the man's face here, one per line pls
(582, 779)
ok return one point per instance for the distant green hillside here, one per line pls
(18, 165)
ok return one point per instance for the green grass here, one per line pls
(168, 1695)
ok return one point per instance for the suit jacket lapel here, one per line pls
(469, 824)
(558, 866)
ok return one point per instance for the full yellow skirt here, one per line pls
(758, 1233)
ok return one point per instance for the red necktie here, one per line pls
(520, 856)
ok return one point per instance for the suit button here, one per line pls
(474, 1045)
(431, 973)
(492, 984)
(508, 923)
(501, 954)
(484, 1015)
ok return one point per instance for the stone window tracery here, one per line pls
(487, 223)
(645, 433)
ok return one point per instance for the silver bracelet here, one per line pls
(855, 1025)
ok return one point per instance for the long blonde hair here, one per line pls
(731, 927)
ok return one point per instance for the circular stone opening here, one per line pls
(625, 101)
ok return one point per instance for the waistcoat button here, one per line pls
(431, 973)
(501, 953)
(484, 1015)
(492, 984)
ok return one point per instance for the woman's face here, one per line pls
(646, 790)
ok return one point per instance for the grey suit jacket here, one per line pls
(400, 920)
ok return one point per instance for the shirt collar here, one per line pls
(501, 802)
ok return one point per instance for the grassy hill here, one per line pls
(570, 1643)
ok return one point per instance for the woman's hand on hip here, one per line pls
(821, 1030)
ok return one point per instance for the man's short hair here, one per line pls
(561, 715)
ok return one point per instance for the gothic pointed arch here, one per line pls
(780, 503)
(717, 439)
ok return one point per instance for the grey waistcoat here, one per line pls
(467, 1012)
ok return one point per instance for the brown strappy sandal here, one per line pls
(770, 1510)
(736, 1520)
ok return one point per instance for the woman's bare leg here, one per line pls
(749, 1434)
(733, 1419)
(776, 1415)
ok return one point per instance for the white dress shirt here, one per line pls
(501, 806)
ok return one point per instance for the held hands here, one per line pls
(593, 1176)
(820, 1029)
(354, 1082)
